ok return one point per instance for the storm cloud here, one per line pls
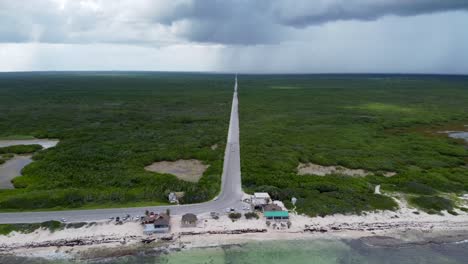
(242, 22)
(236, 35)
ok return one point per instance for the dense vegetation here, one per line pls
(20, 149)
(374, 122)
(110, 126)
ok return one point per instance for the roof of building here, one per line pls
(263, 195)
(189, 218)
(276, 214)
(157, 219)
(272, 207)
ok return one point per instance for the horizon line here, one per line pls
(239, 73)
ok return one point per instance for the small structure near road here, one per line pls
(156, 223)
(189, 220)
(174, 197)
(260, 199)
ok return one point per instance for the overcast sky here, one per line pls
(316, 36)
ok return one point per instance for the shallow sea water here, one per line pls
(293, 252)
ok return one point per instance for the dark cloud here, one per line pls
(305, 13)
(146, 22)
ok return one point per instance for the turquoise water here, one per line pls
(294, 252)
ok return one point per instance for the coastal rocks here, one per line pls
(366, 227)
(86, 241)
(226, 232)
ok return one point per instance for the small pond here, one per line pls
(12, 168)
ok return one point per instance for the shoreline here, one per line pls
(108, 240)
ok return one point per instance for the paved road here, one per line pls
(230, 196)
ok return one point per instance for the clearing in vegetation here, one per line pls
(319, 170)
(187, 170)
(356, 122)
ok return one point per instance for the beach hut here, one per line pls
(189, 220)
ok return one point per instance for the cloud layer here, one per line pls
(235, 35)
(163, 22)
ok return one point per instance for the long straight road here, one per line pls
(229, 197)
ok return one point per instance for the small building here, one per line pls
(189, 220)
(260, 199)
(276, 215)
(174, 197)
(156, 223)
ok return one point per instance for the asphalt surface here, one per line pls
(229, 197)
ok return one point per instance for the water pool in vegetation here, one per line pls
(13, 166)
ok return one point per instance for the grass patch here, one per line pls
(285, 87)
(381, 107)
(5, 229)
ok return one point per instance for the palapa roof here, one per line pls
(272, 207)
(189, 218)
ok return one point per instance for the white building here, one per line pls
(260, 199)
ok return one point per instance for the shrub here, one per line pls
(435, 203)
(235, 216)
(418, 188)
(452, 212)
(251, 215)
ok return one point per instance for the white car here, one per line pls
(63, 220)
(230, 210)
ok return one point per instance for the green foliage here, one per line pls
(373, 122)
(235, 216)
(110, 127)
(435, 203)
(251, 215)
(20, 149)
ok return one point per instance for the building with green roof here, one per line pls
(276, 215)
